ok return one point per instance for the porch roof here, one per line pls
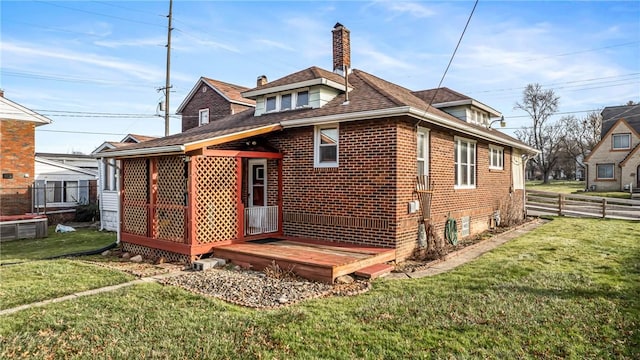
(370, 98)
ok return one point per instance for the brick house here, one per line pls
(210, 100)
(614, 163)
(17, 154)
(333, 156)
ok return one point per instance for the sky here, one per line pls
(95, 67)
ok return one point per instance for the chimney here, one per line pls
(1, 93)
(341, 49)
(262, 80)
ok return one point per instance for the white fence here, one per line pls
(542, 202)
(260, 220)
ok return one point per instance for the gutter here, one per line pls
(165, 150)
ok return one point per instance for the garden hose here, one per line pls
(451, 231)
(75, 254)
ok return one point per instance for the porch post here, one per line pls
(153, 197)
(191, 206)
(239, 205)
(280, 196)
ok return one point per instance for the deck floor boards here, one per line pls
(326, 257)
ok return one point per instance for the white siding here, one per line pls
(110, 201)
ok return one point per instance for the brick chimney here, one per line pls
(341, 49)
(262, 80)
(1, 93)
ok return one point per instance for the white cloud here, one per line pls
(274, 44)
(158, 41)
(415, 9)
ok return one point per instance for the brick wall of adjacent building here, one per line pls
(218, 107)
(17, 149)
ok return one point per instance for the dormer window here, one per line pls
(271, 103)
(286, 101)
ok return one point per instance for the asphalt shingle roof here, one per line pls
(611, 114)
(231, 91)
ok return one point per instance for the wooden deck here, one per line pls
(312, 259)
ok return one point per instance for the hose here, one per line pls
(451, 231)
(80, 253)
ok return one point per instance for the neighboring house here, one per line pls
(324, 157)
(614, 163)
(17, 149)
(210, 100)
(64, 181)
(108, 186)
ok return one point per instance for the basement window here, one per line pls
(465, 226)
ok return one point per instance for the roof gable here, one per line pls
(230, 92)
(303, 78)
(606, 137)
(10, 110)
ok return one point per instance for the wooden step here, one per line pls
(374, 271)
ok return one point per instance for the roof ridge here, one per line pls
(377, 88)
(224, 82)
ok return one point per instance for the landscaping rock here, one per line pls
(160, 260)
(106, 253)
(283, 300)
(137, 259)
(344, 279)
(126, 255)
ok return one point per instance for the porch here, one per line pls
(187, 205)
(309, 258)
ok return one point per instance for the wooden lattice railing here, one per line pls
(135, 211)
(169, 211)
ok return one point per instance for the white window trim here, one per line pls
(613, 172)
(294, 101)
(500, 150)
(64, 192)
(200, 113)
(457, 139)
(316, 146)
(425, 159)
(620, 148)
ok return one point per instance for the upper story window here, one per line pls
(423, 152)
(465, 163)
(496, 157)
(621, 142)
(203, 116)
(282, 102)
(326, 138)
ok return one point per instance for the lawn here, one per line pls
(30, 281)
(55, 244)
(573, 187)
(570, 289)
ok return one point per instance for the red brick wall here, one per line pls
(17, 149)
(218, 107)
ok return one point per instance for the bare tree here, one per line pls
(581, 135)
(540, 105)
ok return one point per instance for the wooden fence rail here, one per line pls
(542, 202)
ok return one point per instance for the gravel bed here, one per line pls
(255, 289)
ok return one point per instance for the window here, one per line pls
(605, 171)
(271, 103)
(326, 146)
(423, 152)
(203, 116)
(61, 192)
(465, 226)
(302, 99)
(285, 102)
(465, 163)
(621, 141)
(496, 157)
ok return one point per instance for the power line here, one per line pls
(78, 132)
(100, 14)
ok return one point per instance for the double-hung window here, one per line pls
(496, 157)
(270, 103)
(605, 171)
(423, 151)
(287, 101)
(621, 142)
(465, 163)
(203, 116)
(326, 139)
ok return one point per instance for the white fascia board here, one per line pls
(472, 102)
(21, 113)
(65, 166)
(276, 89)
(409, 111)
(164, 150)
(103, 146)
(464, 128)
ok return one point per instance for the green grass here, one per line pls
(570, 289)
(55, 244)
(573, 187)
(47, 279)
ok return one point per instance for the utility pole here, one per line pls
(167, 86)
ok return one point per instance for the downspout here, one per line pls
(101, 191)
(117, 171)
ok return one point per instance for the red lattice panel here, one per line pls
(169, 215)
(216, 215)
(135, 190)
(150, 253)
